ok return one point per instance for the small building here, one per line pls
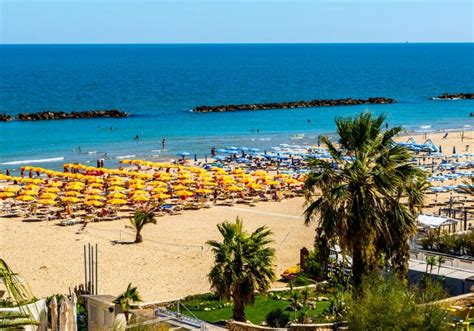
(101, 311)
(438, 222)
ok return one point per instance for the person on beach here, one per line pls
(213, 151)
(7, 172)
(163, 144)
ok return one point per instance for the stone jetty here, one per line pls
(293, 104)
(5, 118)
(60, 115)
(454, 96)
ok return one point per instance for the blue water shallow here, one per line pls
(159, 84)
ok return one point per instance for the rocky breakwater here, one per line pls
(293, 104)
(5, 118)
(454, 96)
(60, 115)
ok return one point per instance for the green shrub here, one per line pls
(277, 318)
(313, 266)
(301, 280)
(386, 304)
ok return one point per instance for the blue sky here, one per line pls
(235, 21)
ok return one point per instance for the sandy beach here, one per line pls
(173, 261)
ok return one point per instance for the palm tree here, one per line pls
(243, 265)
(21, 295)
(469, 187)
(126, 298)
(430, 263)
(370, 195)
(141, 218)
(440, 260)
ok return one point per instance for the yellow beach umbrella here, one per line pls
(95, 197)
(179, 187)
(51, 190)
(203, 190)
(139, 192)
(183, 193)
(81, 184)
(187, 181)
(96, 185)
(56, 184)
(162, 196)
(117, 202)
(140, 198)
(159, 190)
(29, 192)
(72, 194)
(32, 187)
(25, 198)
(117, 195)
(157, 183)
(4, 195)
(70, 199)
(12, 188)
(51, 196)
(46, 202)
(234, 188)
(74, 188)
(93, 191)
(94, 203)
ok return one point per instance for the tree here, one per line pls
(371, 193)
(126, 298)
(141, 218)
(243, 265)
(20, 295)
(468, 188)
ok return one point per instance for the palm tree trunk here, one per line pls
(358, 266)
(138, 237)
(238, 311)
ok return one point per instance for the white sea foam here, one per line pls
(425, 126)
(53, 159)
(92, 152)
(125, 156)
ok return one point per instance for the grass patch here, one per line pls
(209, 308)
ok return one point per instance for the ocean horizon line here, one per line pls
(238, 43)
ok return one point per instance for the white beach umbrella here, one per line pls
(73, 319)
(64, 314)
(53, 306)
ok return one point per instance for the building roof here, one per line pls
(434, 221)
(105, 299)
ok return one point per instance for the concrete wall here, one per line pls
(239, 326)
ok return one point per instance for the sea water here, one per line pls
(159, 85)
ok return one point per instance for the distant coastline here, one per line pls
(293, 104)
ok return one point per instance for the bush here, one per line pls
(301, 280)
(313, 266)
(386, 304)
(462, 244)
(277, 318)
